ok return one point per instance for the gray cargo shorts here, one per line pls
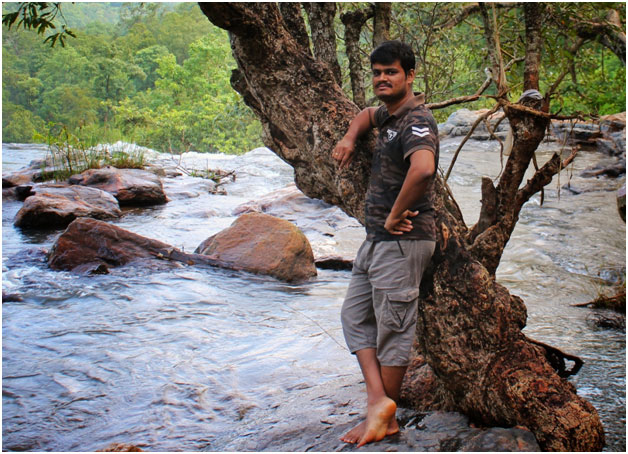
(380, 309)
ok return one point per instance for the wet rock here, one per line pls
(614, 122)
(621, 202)
(36, 171)
(17, 179)
(333, 408)
(10, 297)
(607, 167)
(57, 205)
(129, 186)
(92, 247)
(334, 236)
(285, 200)
(89, 246)
(333, 262)
(264, 244)
(121, 447)
(461, 121)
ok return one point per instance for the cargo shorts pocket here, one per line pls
(401, 309)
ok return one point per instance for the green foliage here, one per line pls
(18, 124)
(40, 17)
(70, 154)
(155, 74)
(158, 73)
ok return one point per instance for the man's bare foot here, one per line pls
(380, 422)
(354, 435)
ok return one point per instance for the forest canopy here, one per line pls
(158, 74)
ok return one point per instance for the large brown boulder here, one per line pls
(57, 205)
(88, 245)
(129, 186)
(263, 244)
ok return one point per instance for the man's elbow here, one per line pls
(421, 174)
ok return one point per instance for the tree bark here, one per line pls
(381, 23)
(291, 13)
(469, 326)
(610, 32)
(353, 22)
(321, 17)
(533, 13)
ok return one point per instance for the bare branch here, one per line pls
(539, 113)
(475, 125)
(543, 176)
(468, 11)
(572, 50)
(492, 38)
(461, 99)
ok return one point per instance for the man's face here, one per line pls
(390, 82)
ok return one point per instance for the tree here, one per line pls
(469, 325)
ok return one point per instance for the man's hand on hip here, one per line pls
(398, 225)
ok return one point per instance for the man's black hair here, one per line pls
(390, 51)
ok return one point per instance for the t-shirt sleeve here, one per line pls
(420, 134)
(380, 116)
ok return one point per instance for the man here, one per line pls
(380, 310)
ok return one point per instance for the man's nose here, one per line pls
(380, 78)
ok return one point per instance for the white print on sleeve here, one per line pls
(421, 132)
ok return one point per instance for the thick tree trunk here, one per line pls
(469, 326)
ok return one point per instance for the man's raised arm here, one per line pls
(343, 151)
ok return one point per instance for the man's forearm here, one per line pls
(343, 152)
(422, 167)
(360, 124)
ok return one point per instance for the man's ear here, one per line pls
(410, 76)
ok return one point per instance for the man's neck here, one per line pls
(392, 107)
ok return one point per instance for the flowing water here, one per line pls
(197, 358)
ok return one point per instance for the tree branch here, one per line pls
(475, 125)
(292, 17)
(543, 176)
(468, 11)
(381, 23)
(353, 22)
(321, 17)
(494, 48)
(461, 99)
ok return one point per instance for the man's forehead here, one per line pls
(395, 64)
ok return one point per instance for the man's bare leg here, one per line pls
(380, 418)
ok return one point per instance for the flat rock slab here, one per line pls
(263, 244)
(58, 205)
(314, 420)
(129, 186)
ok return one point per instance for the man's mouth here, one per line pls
(383, 86)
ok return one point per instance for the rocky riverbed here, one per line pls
(195, 358)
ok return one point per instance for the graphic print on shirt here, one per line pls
(391, 134)
(421, 132)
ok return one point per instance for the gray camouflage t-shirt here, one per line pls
(412, 127)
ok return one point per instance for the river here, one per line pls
(197, 358)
